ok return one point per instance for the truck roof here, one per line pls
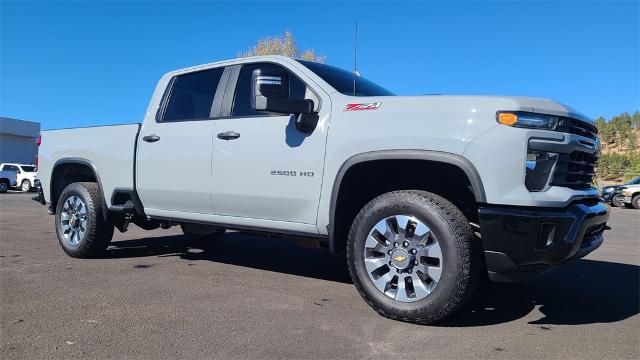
(233, 62)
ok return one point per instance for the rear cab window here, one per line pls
(191, 96)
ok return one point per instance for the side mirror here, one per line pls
(270, 92)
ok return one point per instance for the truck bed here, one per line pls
(110, 150)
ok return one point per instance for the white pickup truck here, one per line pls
(425, 193)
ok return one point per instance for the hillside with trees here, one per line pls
(620, 158)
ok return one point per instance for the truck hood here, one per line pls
(480, 103)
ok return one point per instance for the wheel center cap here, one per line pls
(400, 259)
(73, 220)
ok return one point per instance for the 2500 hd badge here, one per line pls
(292, 173)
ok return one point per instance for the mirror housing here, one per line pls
(270, 92)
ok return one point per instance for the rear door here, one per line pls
(174, 151)
(268, 169)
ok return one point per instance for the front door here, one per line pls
(174, 151)
(263, 166)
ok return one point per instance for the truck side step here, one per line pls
(127, 207)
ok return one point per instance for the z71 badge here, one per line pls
(365, 106)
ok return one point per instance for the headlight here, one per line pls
(608, 190)
(527, 120)
(539, 166)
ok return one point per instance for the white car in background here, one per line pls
(25, 174)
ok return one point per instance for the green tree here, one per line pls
(284, 45)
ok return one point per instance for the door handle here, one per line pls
(151, 138)
(228, 135)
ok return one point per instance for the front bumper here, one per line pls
(627, 199)
(520, 243)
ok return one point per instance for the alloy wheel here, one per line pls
(403, 258)
(73, 220)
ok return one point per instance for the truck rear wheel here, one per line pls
(411, 255)
(80, 226)
(4, 186)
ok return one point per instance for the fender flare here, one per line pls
(96, 174)
(428, 155)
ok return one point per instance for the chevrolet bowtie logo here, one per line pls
(399, 258)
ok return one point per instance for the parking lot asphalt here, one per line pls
(152, 296)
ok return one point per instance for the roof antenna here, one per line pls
(355, 59)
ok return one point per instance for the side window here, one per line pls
(242, 99)
(10, 168)
(192, 95)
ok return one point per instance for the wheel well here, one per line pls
(65, 174)
(364, 181)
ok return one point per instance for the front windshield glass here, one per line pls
(28, 168)
(342, 80)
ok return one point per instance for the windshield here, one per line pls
(342, 80)
(28, 168)
(635, 181)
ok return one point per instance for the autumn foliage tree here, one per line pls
(284, 45)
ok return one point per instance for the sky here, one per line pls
(67, 64)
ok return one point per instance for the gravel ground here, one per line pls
(154, 297)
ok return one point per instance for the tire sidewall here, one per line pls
(440, 296)
(3, 187)
(79, 191)
(635, 201)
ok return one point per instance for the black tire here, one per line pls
(618, 201)
(25, 182)
(635, 202)
(201, 233)
(98, 233)
(4, 186)
(459, 252)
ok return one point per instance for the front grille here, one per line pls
(575, 170)
(574, 126)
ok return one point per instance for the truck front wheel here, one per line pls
(412, 256)
(80, 226)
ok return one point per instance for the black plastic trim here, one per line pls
(428, 155)
(96, 174)
(510, 235)
(133, 195)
